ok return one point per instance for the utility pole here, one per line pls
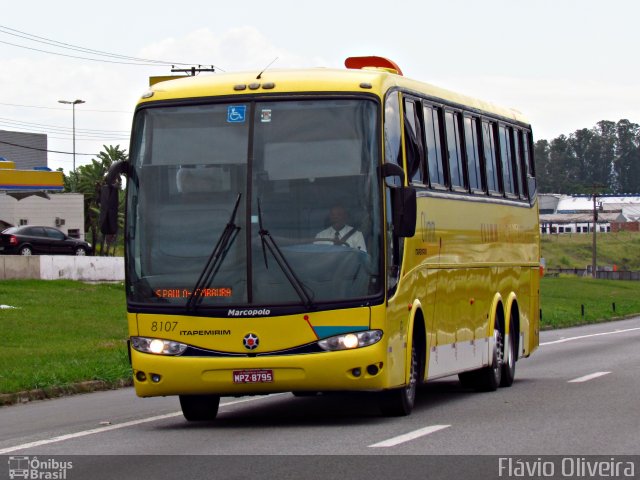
(593, 247)
(594, 262)
(193, 70)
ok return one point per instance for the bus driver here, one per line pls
(339, 232)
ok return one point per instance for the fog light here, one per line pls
(356, 372)
(141, 377)
(372, 370)
(155, 378)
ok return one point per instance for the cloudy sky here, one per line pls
(565, 63)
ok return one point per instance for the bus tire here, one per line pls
(198, 408)
(399, 402)
(487, 379)
(510, 356)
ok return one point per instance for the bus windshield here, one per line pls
(255, 204)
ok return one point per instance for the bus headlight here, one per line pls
(157, 346)
(349, 341)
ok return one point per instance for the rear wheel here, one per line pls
(487, 379)
(510, 356)
(198, 408)
(400, 401)
(26, 250)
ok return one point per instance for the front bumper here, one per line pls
(326, 371)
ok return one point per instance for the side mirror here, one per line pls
(109, 210)
(404, 206)
(392, 170)
(109, 198)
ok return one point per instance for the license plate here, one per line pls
(252, 376)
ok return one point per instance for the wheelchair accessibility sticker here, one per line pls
(236, 113)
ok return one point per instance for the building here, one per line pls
(28, 186)
(64, 211)
(574, 213)
(26, 150)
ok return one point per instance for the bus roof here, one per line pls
(376, 80)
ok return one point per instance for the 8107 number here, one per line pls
(163, 326)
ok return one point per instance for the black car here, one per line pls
(33, 240)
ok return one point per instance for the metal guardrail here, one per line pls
(600, 274)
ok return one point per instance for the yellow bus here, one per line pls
(325, 230)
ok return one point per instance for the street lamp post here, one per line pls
(73, 108)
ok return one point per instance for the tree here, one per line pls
(627, 163)
(607, 155)
(541, 156)
(581, 142)
(561, 171)
(604, 154)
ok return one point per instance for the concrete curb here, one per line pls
(61, 391)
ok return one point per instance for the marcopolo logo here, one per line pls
(34, 468)
(248, 313)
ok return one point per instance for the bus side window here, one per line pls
(521, 180)
(433, 148)
(528, 168)
(489, 152)
(526, 154)
(454, 149)
(473, 154)
(413, 141)
(506, 161)
(392, 144)
(393, 154)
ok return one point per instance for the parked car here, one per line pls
(34, 240)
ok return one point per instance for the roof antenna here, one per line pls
(265, 68)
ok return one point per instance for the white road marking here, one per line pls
(586, 378)
(563, 340)
(410, 436)
(84, 433)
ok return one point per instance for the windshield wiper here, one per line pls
(215, 259)
(268, 242)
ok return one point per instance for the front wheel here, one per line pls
(198, 408)
(80, 251)
(400, 401)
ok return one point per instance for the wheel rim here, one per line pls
(80, 252)
(25, 251)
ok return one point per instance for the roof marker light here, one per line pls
(359, 63)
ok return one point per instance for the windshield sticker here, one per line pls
(236, 113)
(265, 115)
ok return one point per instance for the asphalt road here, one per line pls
(576, 395)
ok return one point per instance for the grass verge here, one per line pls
(568, 301)
(61, 334)
(68, 337)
